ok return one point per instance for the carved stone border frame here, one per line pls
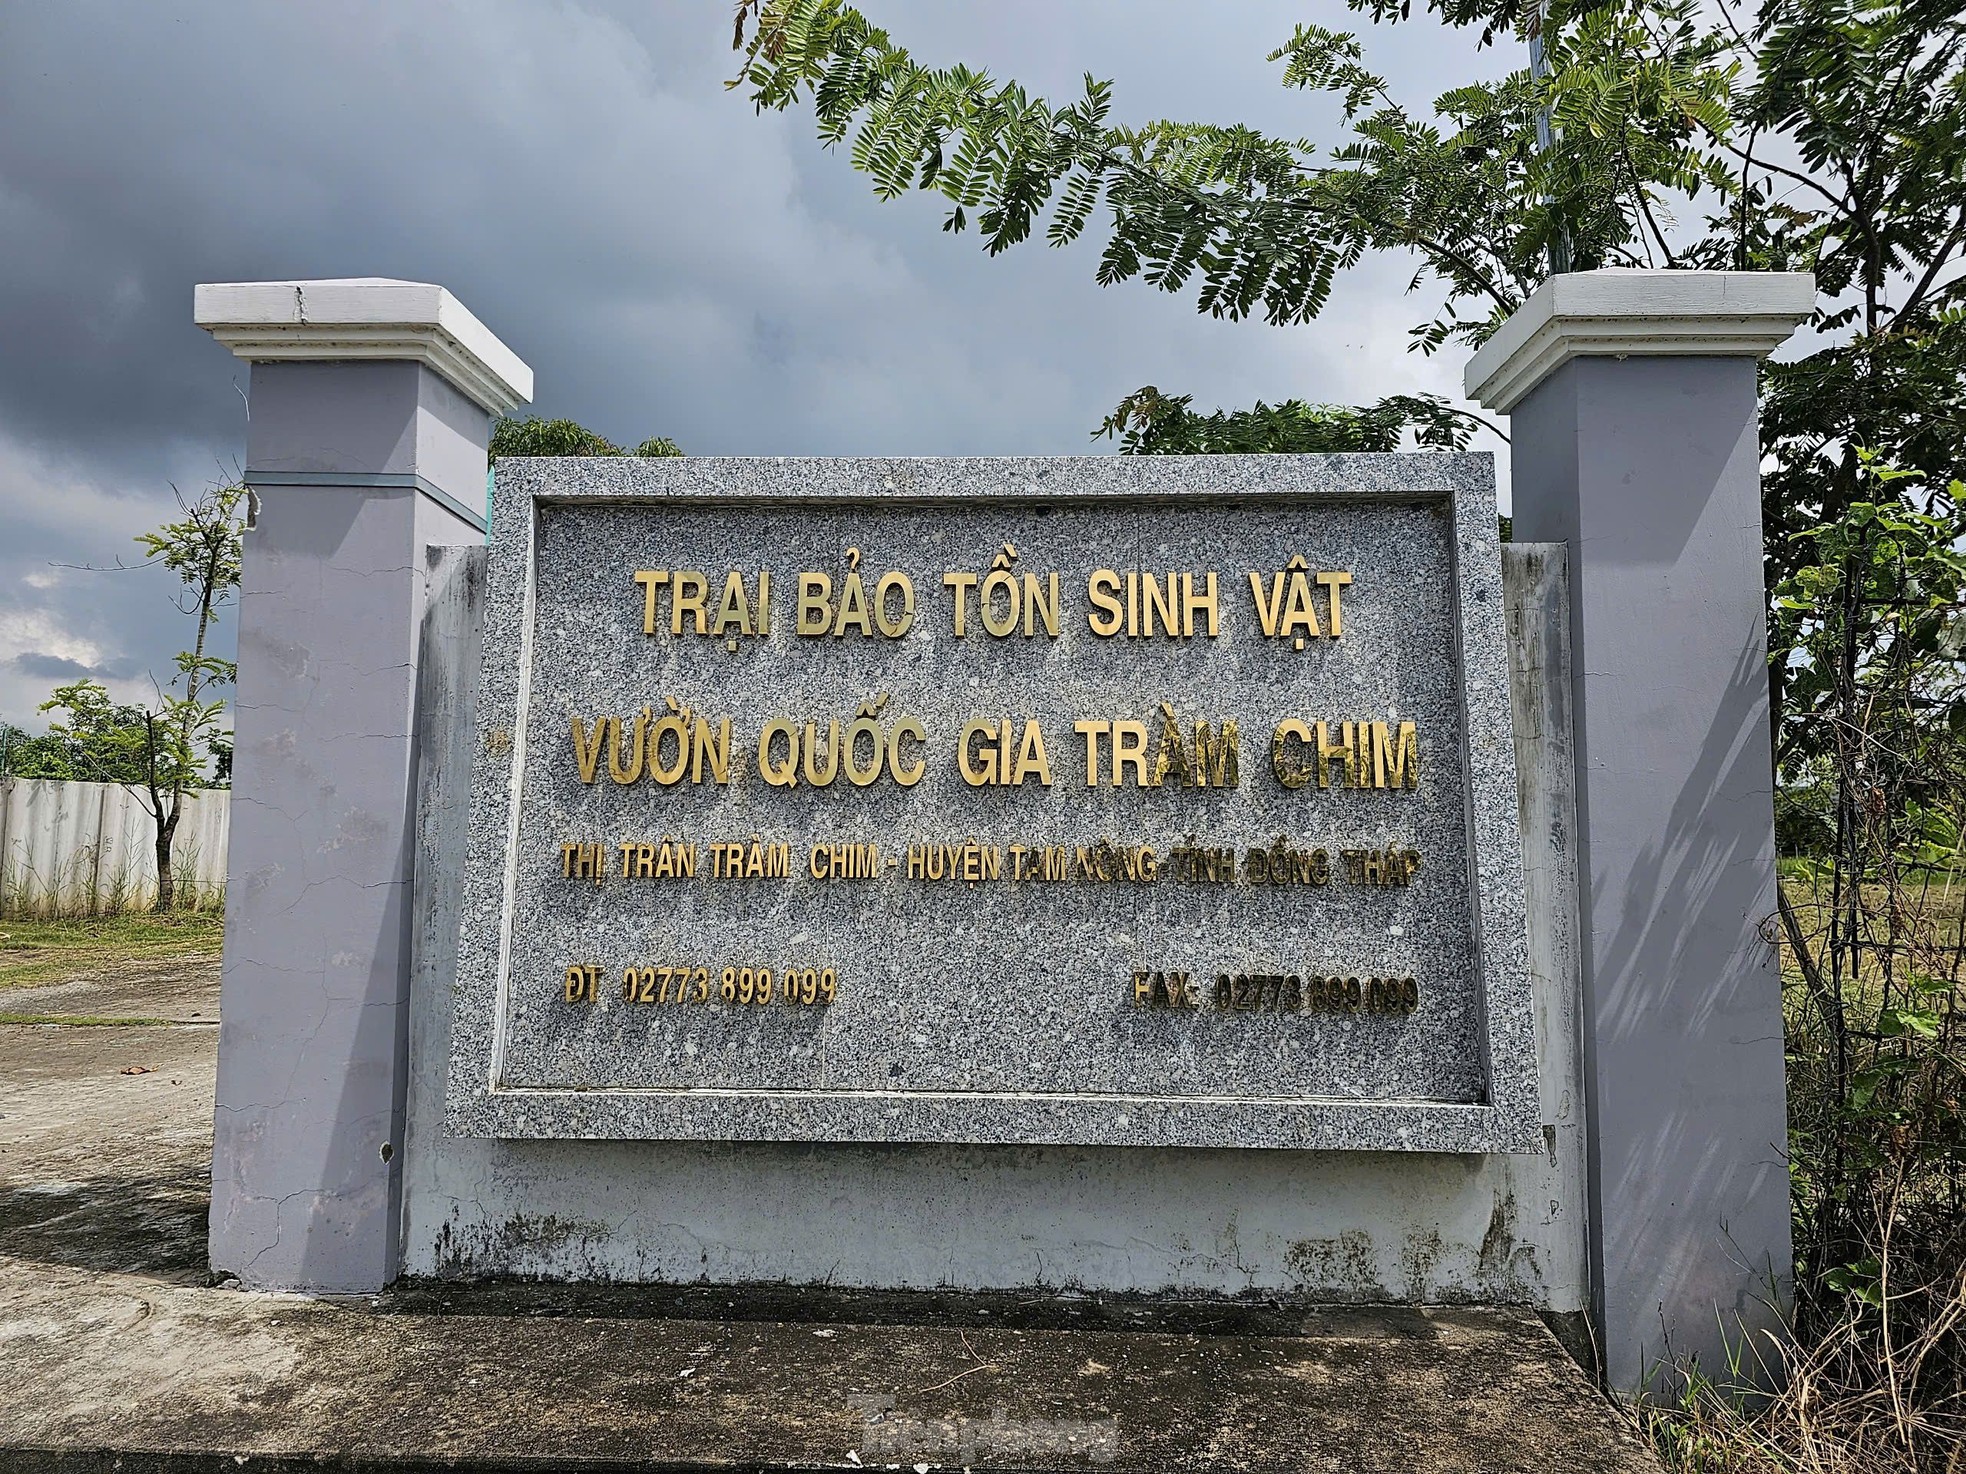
(1507, 1121)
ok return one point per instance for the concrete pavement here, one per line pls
(117, 1354)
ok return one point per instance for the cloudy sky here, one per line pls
(667, 261)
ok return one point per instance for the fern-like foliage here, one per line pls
(1223, 209)
(1257, 225)
(1823, 135)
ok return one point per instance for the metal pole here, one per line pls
(1539, 71)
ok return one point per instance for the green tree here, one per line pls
(1874, 921)
(1254, 224)
(90, 749)
(1819, 135)
(1827, 135)
(1148, 422)
(160, 749)
(533, 436)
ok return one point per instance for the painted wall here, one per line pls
(82, 849)
(1651, 465)
(312, 1041)
(1339, 1226)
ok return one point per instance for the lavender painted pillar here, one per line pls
(371, 408)
(1633, 407)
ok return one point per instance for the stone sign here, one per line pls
(1164, 801)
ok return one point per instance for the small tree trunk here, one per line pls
(166, 882)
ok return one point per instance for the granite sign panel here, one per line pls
(1158, 801)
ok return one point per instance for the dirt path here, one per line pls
(179, 990)
(120, 1353)
(105, 1131)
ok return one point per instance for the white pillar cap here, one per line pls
(1744, 314)
(369, 317)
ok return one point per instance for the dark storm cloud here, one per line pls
(59, 667)
(668, 262)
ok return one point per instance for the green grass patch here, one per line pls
(83, 1021)
(34, 953)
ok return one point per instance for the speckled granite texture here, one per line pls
(1001, 1011)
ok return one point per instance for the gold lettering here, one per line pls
(856, 774)
(1269, 607)
(1152, 601)
(1342, 749)
(1332, 583)
(1396, 763)
(1091, 732)
(713, 745)
(1299, 614)
(584, 861)
(1291, 771)
(688, 595)
(892, 583)
(905, 727)
(1130, 749)
(1100, 590)
(853, 607)
(785, 775)
(820, 777)
(1204, 603)
(1007, 583)
(587, 745)
(1041, 604)
(650, 580)
(1030, 756)
(1218, 763)
(815, 603)
(626, 773)
(733, 610)
(962, 583)
(1213, 761)
(988, 775)
(672, 724)
(1172, 760)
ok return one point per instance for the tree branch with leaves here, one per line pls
(160, 750)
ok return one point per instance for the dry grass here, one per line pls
(1859, 1401)
(1872, 1378)
(33, 953)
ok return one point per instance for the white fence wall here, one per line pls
(77, 849)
